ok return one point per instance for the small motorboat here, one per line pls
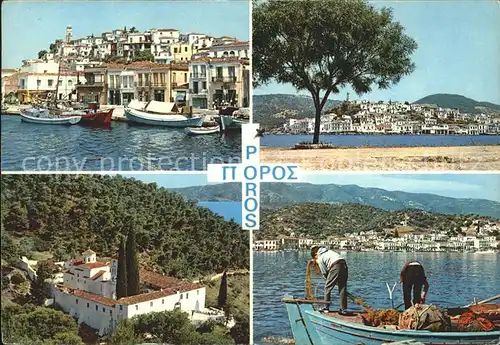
(202, 130)
(43, 116)
(161, 114)
(101, 118)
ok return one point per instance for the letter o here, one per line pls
(255, 204)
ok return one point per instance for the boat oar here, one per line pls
(485, 300)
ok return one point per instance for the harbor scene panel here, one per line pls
(378, 225)
(403, 96)
(162, 95)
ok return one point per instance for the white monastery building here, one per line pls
(88, 289)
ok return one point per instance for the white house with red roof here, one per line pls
(88, 294)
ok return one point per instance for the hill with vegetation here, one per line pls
(66, 214)
(275, 195)
(466, 105)
(319, 221)
(274, 109)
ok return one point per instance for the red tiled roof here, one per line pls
(237, 43)
(167, 30)
(98, 274)
(96, 264)
(95, 298)
(88, 252)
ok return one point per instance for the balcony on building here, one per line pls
(220, 79)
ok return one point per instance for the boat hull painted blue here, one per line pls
(189, 122)
(310, 327)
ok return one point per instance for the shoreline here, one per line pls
(466, 157)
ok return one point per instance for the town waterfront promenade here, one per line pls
(388, 158)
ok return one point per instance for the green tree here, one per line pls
(222, 298)
(132, 262)
(42, 53)
(240, 332)
(39, 287)
(10, 251)
(133, 29)
(121, 277)
(123, 334)
(53, 48)
(17, 219)
(322, 46)
(67, 338)
(144, 55)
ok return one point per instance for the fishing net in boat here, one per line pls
(377, 317)
(424, 317)
(311, 267)
(471, 322)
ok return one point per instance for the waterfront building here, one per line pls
(88, 293)
(219, 79)
(39, 78)
(118, 84)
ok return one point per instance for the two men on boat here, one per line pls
(333, 267)
(413, 278)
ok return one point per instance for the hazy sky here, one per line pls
(459, 51)
(28, 27)
(477, 186)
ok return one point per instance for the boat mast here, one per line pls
(57, 82)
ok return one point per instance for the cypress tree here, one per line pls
(133, 286)
(222, 298)
(121, 277)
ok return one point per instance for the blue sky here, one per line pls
(459, 51)
(476, 186)
(28, 27)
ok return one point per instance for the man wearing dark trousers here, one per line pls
(413, 278)
(333, 267)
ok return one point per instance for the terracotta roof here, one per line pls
(9, 70)
(166, 282)
(167, 30)
(98, 274)
(92, 265)
(95, 298)
(88, 252)
(25, 74)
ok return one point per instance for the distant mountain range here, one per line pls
(275, 195)
(466, 105)
(272, 110)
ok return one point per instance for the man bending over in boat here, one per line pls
(334, 269)
(413, 277)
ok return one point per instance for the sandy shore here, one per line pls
(397, 158)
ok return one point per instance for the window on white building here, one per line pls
(38, 83)
(182, 296)
(151, 304)
(136, 307)
(76, 301)
(121, 307)
(198, 292)
(103, 309)
(50, 82)
(60, 82)
(88, 305)
(70, 82)
(187, 295)
(162, 301)
(96, 308)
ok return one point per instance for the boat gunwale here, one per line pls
(61, 118)
(361, 327)
(160, 117)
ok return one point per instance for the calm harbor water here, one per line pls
(27, 146)
(454, 278)
(276, 140)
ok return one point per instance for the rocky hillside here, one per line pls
(466, 105)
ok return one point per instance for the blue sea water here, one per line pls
(229, 210)
(124, 147)
(455, 280)
(285, 140)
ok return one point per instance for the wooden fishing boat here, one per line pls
(41, 116)
(101, 118)
(310, 327)
(160, 114)
(202, 130)
(234, 120)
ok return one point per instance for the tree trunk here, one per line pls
(317, 124)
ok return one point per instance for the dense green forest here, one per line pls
(66, 214)
(322, 220)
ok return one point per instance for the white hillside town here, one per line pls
(379, 117)
(86, 289)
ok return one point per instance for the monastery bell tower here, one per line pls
(69, 33)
